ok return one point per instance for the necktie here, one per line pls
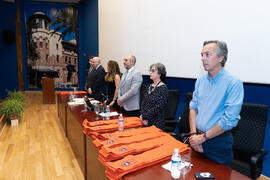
(124, 78)
(90, 69)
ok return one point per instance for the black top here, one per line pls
(154, 105)
(111, 89)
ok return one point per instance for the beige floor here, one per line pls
(37, 148)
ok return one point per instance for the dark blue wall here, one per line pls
(254, 93)
(88, 35)
(8, 58)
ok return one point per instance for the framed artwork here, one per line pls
(51, 42)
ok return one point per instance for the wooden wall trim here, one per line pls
(19, 47)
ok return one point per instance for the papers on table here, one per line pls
(169, 165)
(78, 99)
(94, 101)
(76, 102)
(111, 114)
(81, 101)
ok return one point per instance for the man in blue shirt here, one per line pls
(215, 106)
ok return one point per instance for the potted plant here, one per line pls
(16, 95)
(13, 109)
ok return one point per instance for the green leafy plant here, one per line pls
(12, 107)
(16, 95)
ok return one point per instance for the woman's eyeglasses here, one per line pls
(152, 70)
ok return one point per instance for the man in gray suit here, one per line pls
(130, 85)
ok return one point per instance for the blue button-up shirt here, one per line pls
(217, 100)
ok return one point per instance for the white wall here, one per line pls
(173, 31)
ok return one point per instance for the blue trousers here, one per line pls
(219, 149)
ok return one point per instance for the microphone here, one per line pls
(104, 96)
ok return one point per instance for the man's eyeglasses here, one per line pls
(152, 70)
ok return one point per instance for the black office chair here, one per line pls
(173, 98)
(249, 140)
(183, 122)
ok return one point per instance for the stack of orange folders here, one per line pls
(139, 155)
(107, 153)
(129, 132)
(100, 139)
(114, 142)
(109, 125)
(125, 133)
(64, 93)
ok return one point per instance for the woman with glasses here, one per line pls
(155, 98)
(112, 80)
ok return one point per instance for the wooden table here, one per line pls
(86, 153)
(200, 164)
(71, 118)
(62, 112)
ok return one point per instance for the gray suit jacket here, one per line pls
(129, 92)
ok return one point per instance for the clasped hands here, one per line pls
(144, 122)
(196, 141)
(119, 103)
(89, 91)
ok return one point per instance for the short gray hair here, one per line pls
(222, 50)
(97, 58)
(161, 70)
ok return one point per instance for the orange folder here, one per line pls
(111, 154)
(111, 127)
(125, 133)
(115, 142)
(130, 132)
(64, 93)
(100, 140)
(112, 121)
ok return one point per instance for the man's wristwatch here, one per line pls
(205, 137)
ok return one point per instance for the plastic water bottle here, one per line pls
(120, 122)
(75, 90)
(71, 97)
(176, 159)
(107, 112)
